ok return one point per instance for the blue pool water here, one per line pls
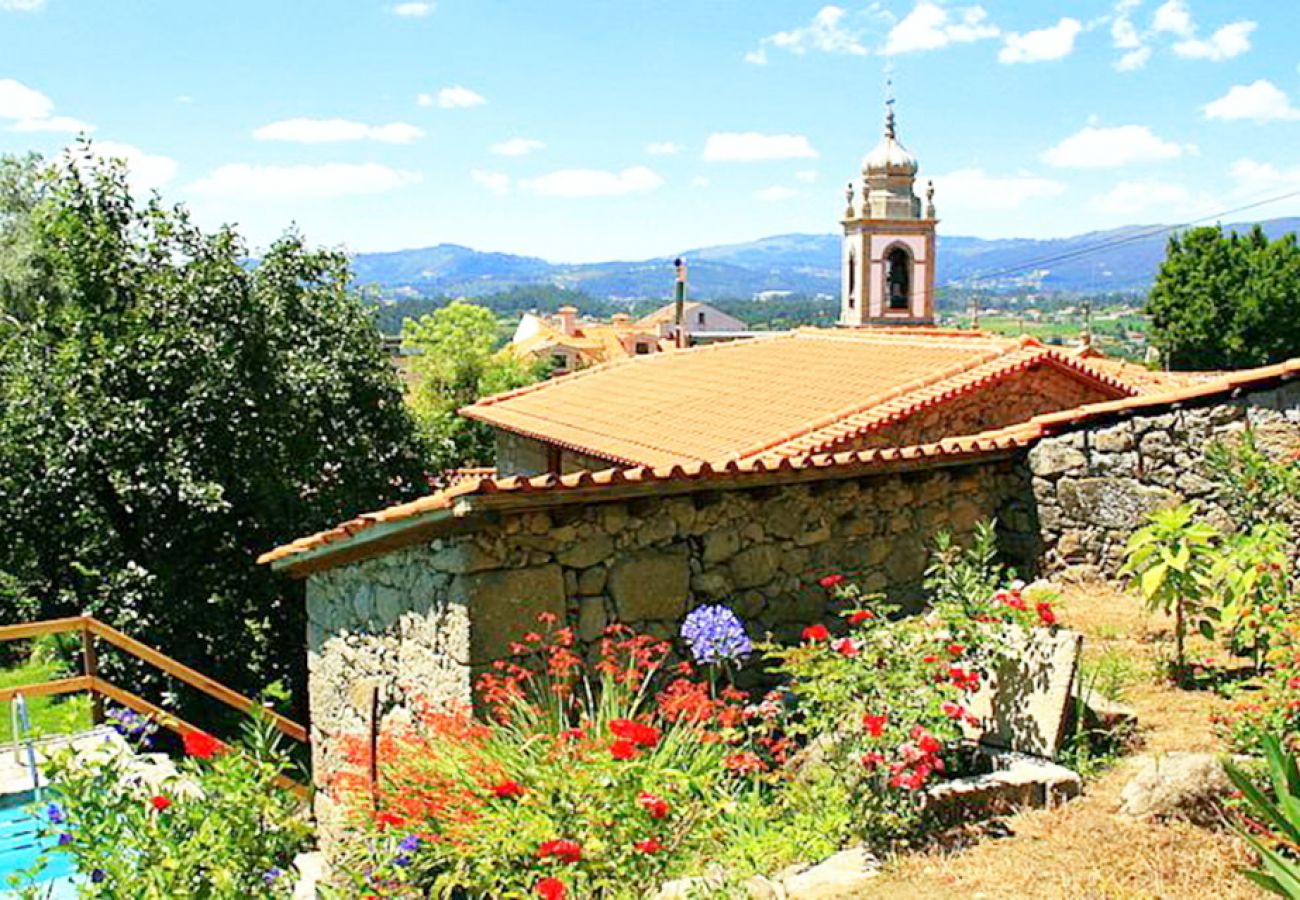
(21, 845)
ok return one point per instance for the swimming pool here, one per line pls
(21, 845)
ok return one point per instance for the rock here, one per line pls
(586, 553)
(1106, 715)
(721, 544)
(651, 585)
(464, 557)
(1176, 785)
(1113, 503)
(760, 888)
(592, 581)
(592, 619)
(756, 566)
(1053, 457)
(846, 874)
(504, 603)
(1024, 705)
(1017, 781)
(1113, 440)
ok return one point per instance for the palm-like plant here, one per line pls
(1171, 560)
(1279, 848)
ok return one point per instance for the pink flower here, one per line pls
(846, 647)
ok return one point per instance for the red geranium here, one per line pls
(875, 725)
(506, 789)
(744, 763)
(872, 760)
(858, 616)
(563, 849)
(550, 888)
(816, 633)
(649, 845)
(831, 581)
(1045, 614)
(388, 819)
(623, 750)
(846, 647)
(159, 802)
(656, 806)
(956, 649)
(201, 745)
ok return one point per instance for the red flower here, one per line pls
(388, 819)
(967, 681)
(563, 849)
(846, 647)
(954, 711)
(623, 750)
(159, 802)
(858, 616)
(1045, 614)
(201, 745)
(956, 649)
(831, 581)
(931, 658)
(550, 888)
(649, 845)
(640, 734)
(743, 763)
(872, 760)
(816, 633)
(506, 789)
(925, 741)
(875, 725)
(657, 807)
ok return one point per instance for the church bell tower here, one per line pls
(887, 274)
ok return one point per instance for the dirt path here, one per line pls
(1082, 849)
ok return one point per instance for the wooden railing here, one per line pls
(89, 681)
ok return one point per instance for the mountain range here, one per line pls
(1121, 259)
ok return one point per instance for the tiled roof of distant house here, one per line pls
(376, 528)
(792, 393)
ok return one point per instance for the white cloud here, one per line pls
(1123, 33)
(594, 182)
(930, 26)
(413, 10)
(807, 176)
(976, 189)
(1255, 178)
(1262, 101)
(1133, 60)
(18, 101)
(1042, 45)
(516, 147)
(752, 146)
(1130, 198)
(826, 33)
(1097, 148)
(1229, 41)
(1174, 17)
(328, 131)
(145, 171)
(495, 182)
(21, 5)
(456, 97)
(327, 180)
(776, 193)
(65, 124)
(663, 148)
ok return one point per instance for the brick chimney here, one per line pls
(567, 319)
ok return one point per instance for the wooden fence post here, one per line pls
(91, 662)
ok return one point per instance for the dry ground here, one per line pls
(1082, 849)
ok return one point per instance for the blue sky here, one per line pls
(588, 129)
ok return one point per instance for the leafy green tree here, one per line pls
(456, 362)
(169, 410)
(1227, 301)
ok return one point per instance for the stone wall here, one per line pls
(416, 622)
(1092, 486)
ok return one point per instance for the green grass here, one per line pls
(1112, 673)
(63, 714)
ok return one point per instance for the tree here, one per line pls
(169, 410)
(1226, 301)
(456, 362)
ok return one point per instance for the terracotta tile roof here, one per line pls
(790, 393)
(542, 488)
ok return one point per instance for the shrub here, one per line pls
(1271, 704)
(222, 826)
(1252, 578)
(1273, 829)
(1252, 486)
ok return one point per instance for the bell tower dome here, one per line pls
(887, 275)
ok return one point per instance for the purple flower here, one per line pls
(65, 839)
(55, 814)
(272, 874)
(410, 843)
(715, 635)
(98, 876)
(403, 860)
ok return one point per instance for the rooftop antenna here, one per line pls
(680, 300)
(889, 100)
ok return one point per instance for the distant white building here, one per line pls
(697, 317)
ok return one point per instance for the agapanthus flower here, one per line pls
(55, 814)
(410, 843)
(715, 635)
(65, 839)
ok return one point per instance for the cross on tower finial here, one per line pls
(889, 101)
